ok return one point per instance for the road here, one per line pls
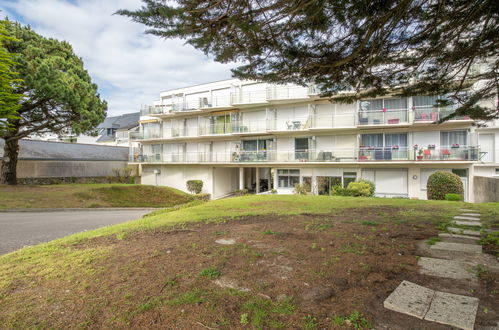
(19, 229)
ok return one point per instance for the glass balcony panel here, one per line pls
(376, 117)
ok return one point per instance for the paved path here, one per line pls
(447, 308)
(18, 229)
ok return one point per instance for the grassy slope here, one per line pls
(60, 261)
(89, 195)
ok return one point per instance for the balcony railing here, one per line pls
(333, 121)
(139, 136)
(384, 154)
(434, 114)
(287, 92)
(248, 97)
(290, 124)
(382, 117)
(155, 110)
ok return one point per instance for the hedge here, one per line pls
(441, 183)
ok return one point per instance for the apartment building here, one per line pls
(237, 134)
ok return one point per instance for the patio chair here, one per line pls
(427, 154)
(446, 153)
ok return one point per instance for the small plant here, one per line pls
(202, 197)
(369, 223)
(241, 192)
(300, 189)
(194, 186)
(269, 232)
(211, 272)
(273, 191)
(433, 240)
(479, 270)
(356, 320)
(453, 197)
(310, 322)
(491, 238)
(244, 318)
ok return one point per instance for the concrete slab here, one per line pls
(467, 210)
(446, 268)
(457, 236)
(411, 299)
(468, 223)
(224, 241)
(470, 215)
(454, 310)
(462, 231)
(460, 217)
(457, 247)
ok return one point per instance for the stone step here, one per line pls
(462, 231)
(447, 268)
(459, 217)
(457, 247)
(427, 304)
(470, 215)
(467, 210)
(458, 238)
(468, 223)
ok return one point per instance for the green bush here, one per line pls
(441, 183)
(202, 197)
(300, 189)
(360, 188)
(339, 191)
(195, 186)
(372, 186)
(273, 191)
(241, 192)
(453, 197)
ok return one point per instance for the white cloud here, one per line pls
(130, 67)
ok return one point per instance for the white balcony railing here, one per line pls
(383, 117)
(150, 135)
(363, 154)
(290, 124)
(334, 121)
(287, 92)
(434, 114)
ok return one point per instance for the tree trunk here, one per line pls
(9, 162)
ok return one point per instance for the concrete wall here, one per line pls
(66, 168)
(486, 189)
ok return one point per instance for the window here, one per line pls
(425, 101)
(372, 140)
(307, 183)
(151, 130)
(349, 177)
(301, 148)
(156, 151)
(326, 183)
(254, 145)
(448, 139)
(399, 140)
(384, 140)
(393, 104)
(288, 178)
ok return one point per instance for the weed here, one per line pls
(491, 238)
(244, 318)
(121, 236)
(356, 248)
(369, 223)
(479, 270)
(433, 240)
(188, 298)
(318, 226)
(269, 232)
(211, 272)
(220, 233)
(314, 246)
(355, 320)
(148, 305)
(310, 322)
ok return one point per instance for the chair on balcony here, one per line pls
(363, 121)
(387, 154)
(445, 154)
(378, 154)
(434, 116)
(427, 154)
(393, 121)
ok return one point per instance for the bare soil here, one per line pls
(289, 272)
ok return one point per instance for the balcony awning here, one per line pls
(225, 112)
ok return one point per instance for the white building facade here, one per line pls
(249, 135)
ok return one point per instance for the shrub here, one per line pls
(195, 186)
(441, 183)
(241, 192)
(300, 189)
(453, 197)
(372, 186)
(360, 188)
(202, 197)
(273, 191)
(339, 191)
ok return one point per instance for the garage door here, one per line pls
(389, 182)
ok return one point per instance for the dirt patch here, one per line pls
(286, 272)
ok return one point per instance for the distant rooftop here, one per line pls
(48, 150)
(125, 121)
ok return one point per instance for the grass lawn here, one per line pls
(89, 196)
(297, 262)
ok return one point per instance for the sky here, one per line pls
(130, 67)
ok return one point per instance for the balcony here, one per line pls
(276, 93)
(155, 110)
(290, 124)
(383, 117)
(434, 114)
(248, 97)
(140, 136)
(333, 121)
(215, 102)
(386, 154)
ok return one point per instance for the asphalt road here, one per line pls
(19, 229)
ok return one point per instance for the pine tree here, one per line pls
(373, 47)
(57, 93)
(9, 101)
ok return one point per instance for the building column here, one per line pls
(257, 179)
(275, 179)
(241, 178)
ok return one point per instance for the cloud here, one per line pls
(130, 67)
